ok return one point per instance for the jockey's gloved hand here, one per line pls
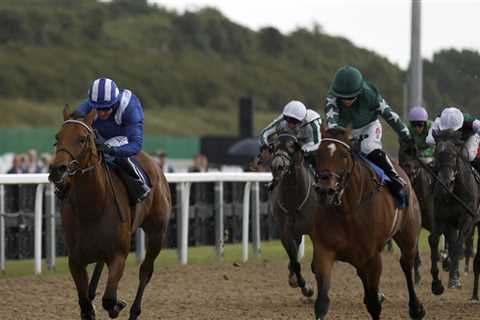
(105, 148)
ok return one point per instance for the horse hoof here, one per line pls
(417, 314)
(474, 300)
(292, 281)
(307, 291)
(437, 288)
(454, 284)
(116, 310)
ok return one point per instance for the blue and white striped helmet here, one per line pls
(103, 93)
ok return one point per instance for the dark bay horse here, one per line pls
(357, 216)
(98, 220)
(456, 185)
(422, 183)
(294, 201)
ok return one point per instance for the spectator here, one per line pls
(32, 165)
(17, 165)
(200, 164)
(45, 160)
(164, 165)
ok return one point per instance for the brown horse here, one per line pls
(97, 218)
(357, 216)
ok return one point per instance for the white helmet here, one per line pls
(295, 109)
(451, 118)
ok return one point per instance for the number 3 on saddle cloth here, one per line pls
(401, 198)
(134, 177)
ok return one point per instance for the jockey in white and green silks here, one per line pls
(469, 125)
(305, 122)
(306, 125)
(353, 101)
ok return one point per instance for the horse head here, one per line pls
(75, 149)
(408, 161)
(334, 165)
(287, 153)
(447, 153)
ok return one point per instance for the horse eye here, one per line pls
(82, 140)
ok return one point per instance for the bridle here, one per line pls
(286, 157)
(342, 179)
(73, 167)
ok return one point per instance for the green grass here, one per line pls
(168, 121)
(270, 250)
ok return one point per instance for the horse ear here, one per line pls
(90, 117)
(66, 112)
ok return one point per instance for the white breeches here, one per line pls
(373, 141)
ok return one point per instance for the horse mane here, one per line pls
(339, 133)
(76, 115)
(448, 134)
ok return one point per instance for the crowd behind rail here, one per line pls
(20, 204)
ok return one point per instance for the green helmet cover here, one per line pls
(348, 82)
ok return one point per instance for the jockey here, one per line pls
(419, 128)
(452, 118)
(119, 127)
(306, 125)
(353, 101)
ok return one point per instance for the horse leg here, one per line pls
(409, 253)
(323, 264)
(433, 239)
(370, 276)
(455, 244)
(92, 288)
(154, 245)
(468, 250)
(109, 300)
(416, 267)
(80, 276)
(295, 278)
(476, 271)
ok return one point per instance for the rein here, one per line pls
(340, 187)
(71, 170)
(454, 196)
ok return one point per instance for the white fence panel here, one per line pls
(185, 179)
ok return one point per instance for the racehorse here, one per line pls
(420, 174)
(456, 204)
(294, 201)
(357, 216)
(97, 218)
(421, 181)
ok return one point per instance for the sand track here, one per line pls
(256, 290)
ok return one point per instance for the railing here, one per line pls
(184, 180)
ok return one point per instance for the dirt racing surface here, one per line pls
(255, 290)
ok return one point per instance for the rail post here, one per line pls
(245, 220)
(219, 227)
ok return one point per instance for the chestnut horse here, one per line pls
(356, 217)
(97, 218)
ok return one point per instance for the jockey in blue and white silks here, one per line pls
(119, 124)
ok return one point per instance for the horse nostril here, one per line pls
(331, 191)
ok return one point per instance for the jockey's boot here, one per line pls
(137, 187)
(397, 184)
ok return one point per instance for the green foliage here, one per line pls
(51, 50)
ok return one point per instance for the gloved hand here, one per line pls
(105, 148)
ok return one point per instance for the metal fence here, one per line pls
(209, 208)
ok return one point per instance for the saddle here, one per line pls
(383, 179)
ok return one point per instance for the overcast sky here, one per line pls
(380, 25)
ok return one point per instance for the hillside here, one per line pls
(182, 65)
